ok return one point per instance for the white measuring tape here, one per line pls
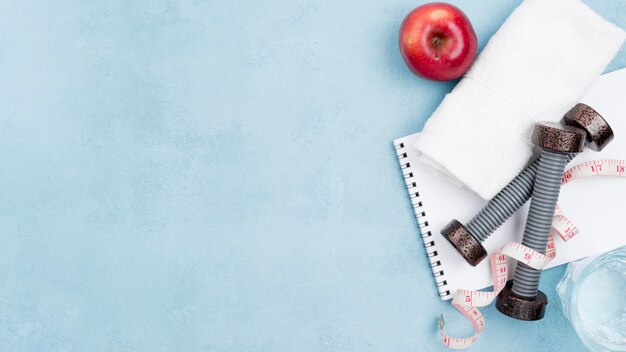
(467, 301)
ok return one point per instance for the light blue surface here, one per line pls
(219, 176)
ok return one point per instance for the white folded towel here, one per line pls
(535, 68)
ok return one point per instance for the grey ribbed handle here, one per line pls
(540, 215)
(504, 204)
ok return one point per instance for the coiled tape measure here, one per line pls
(468, 301)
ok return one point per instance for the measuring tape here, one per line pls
(564, 227)
(468, 301)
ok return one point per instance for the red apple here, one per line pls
(438, 41)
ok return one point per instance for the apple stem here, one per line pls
(436, 42)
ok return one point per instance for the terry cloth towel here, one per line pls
(535, 68)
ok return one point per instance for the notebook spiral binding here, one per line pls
(422, 222)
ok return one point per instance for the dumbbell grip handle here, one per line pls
(504, 204)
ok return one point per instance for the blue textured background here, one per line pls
(219, 176)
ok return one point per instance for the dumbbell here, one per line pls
(466, 240)
(521, 299)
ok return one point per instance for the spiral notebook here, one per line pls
(594, 204)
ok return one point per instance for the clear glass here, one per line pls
(593, 294)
